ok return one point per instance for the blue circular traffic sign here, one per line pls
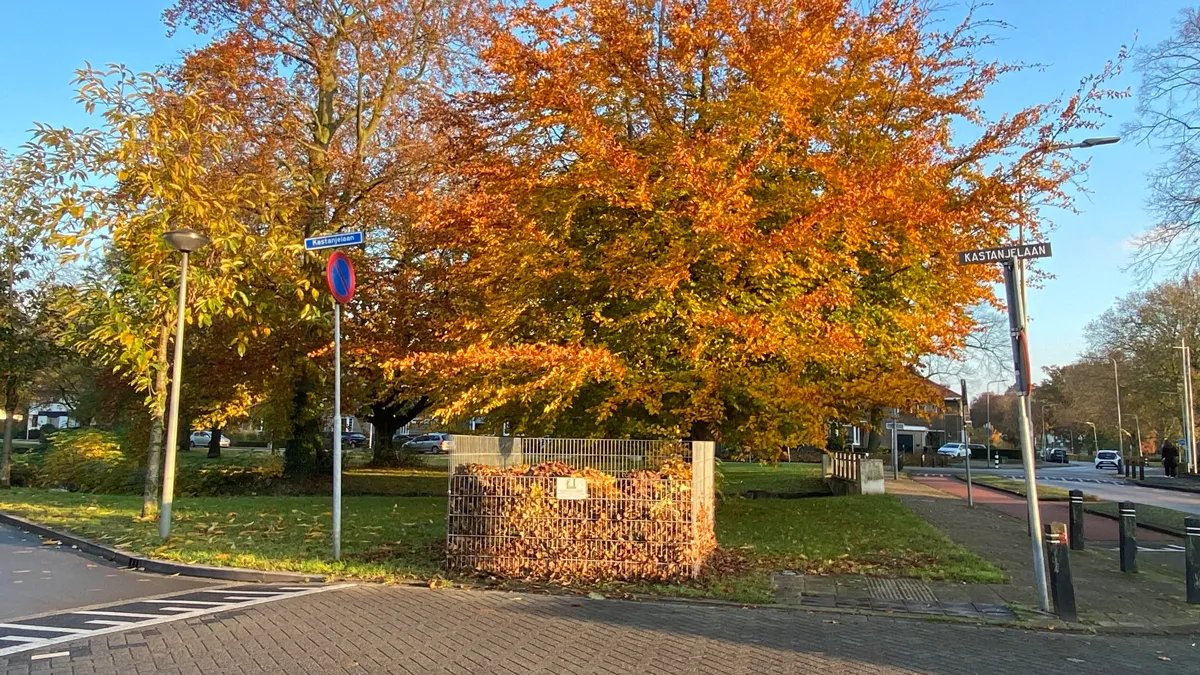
(340, 275)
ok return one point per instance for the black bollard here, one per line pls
(1076, 520)
(1191, 542)
(1062, 589)
(1142, 470)
(1128, 536)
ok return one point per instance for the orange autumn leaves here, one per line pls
(721, 217)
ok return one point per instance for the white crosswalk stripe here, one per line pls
(18, 635)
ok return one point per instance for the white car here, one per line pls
(430, 443)
(1107, 459)
(200, 439)
(954, 450)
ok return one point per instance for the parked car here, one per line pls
(1058, 455)
(430, 443)
(978, 450)
(354, 439)
(1108, 459)
(953, 450)
(201, 439)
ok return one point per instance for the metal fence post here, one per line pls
(1191, 542)
(1142, 470)
(1062, 588)
(1128, 514)
(1075, 516)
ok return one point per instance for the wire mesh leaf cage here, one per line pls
(580, 509)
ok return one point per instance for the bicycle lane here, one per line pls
(1095, 527)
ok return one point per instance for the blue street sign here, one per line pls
(333, 241)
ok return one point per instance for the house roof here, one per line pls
(944, 391)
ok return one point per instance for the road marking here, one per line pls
(47, 629)
(22, 638)
(240, 597)
(226, 590)
(130, 615)
(178, 610)
(51, 655)
(205, 603)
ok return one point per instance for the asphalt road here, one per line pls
(35, 579)
(1180, 501)
(1106, 485)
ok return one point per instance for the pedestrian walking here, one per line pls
(1170, 459)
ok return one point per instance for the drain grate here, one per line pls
(900, 589)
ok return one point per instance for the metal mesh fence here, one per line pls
(580, 508)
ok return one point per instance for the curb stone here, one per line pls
(133, 561)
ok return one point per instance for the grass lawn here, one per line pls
(1018, 487)
(389, 538)
(785, 477)
(1157, 516)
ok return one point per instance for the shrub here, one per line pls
(230, 480)
(88, 460)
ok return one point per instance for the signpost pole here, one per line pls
(337, 430)
(962, 412)
(895, 451)
(1016, 316)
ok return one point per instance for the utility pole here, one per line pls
(1120, 427)
(1188, 418)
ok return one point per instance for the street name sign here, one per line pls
(1005, 253)
(333, 241)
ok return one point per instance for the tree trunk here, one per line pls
(10, 409)
(304, 453)
(158, 408)
(875, 437)
(214, 442)
(387, 417)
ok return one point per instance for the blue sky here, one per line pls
(42, 43)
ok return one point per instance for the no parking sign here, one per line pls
(339, 273)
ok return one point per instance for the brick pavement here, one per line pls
(1153, 598)
(382, 629)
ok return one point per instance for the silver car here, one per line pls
(200, 439)
(430, 443)
(954, 450)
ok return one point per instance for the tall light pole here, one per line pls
(1120, 435)
(1045, 428)
(1138, 425)
(1018, 321)
(185, 241)
(988, 388)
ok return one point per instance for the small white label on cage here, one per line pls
(571, 488)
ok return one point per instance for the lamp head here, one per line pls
(1101, 140)
(185, 240)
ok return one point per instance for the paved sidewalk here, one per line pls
(1153, 599)
(382, 629)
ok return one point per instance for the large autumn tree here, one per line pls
(723, 219)
(329, 101)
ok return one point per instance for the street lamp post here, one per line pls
(1138, 425)
(1017, 283)
(1117, 385)
(1045, 429)
(185, 241)
(1095, 443)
